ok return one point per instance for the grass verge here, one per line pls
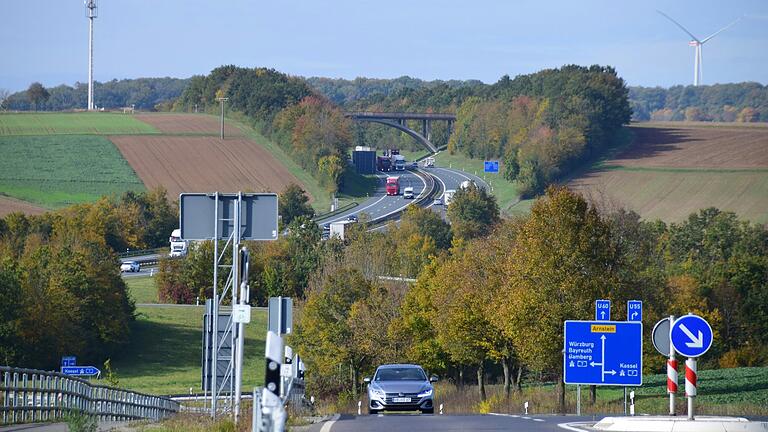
(49, 170)
(164, 354)
(142, 289)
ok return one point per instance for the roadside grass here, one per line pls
(505, 191)
(321, 199)
(164, 354)
(82, 123)
(142, 289)
(57, 171)
(357, 187)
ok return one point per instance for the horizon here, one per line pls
(361, 38)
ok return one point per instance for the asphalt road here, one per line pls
(380, 204)
(426, 423)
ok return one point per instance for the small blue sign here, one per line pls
(492, 166)
(691, 335)
(603, 310)
(68, 360)
(634, 310)
(80, 370)
(603, 353)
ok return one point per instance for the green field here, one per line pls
(142, 289)
(59, 170)
(164, 354)
(72, 124)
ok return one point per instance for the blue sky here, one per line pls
(47, 40)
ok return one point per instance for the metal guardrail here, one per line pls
(30, 395)
(140, 252)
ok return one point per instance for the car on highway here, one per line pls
(352, 218)
(130, 266)
(400, 387)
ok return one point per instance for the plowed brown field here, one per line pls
(673, 170)
(203, 164)
(188, 124)
(10, 205)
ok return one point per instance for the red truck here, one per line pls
(393, 186)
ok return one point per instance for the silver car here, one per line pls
(400, 387)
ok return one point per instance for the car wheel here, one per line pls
(428, 411)
(371, 412)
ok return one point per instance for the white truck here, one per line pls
(408, 193)
(448, 196)
(398, 161)
(338, 228)
(429, 162)
(179, 246)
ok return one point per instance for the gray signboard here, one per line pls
(258, 216)
(224, 356)
(280, 315)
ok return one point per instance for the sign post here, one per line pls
(691, 336)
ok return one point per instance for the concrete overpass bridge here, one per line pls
(399, 121)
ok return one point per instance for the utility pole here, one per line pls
(92, 11)
(222, 100)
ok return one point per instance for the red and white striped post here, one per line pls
(690, 384)
(671, 373)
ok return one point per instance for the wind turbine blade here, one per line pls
(679, 25)
(720, 31)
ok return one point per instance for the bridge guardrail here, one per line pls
(30, 395)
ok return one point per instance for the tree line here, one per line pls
(149, 94)
(60, 287)
(740, 102)
(311, 129)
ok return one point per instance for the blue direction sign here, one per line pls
(492, 166)
(68, 360)
(603, 353)
(80, 370)
(691, 335)
(603, 310)
(634, 310)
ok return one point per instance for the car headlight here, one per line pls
(378, 392)
(425, 393)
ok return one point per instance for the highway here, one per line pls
(427, 423)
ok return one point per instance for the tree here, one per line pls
(418, 220)
(10, 312)
(294, 202)
(4, 93)
(37, 94)
(561, 261)
(473, 212)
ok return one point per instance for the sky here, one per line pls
(47, 40)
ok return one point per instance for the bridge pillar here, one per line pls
(450, 127)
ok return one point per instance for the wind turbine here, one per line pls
(696, 43)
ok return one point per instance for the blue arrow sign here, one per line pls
(80, 370)
(602, 310)
(634, 310)
(68, 360)
(603, 353)
(691, 335)
(492, 166)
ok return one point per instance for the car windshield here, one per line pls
(400, 374)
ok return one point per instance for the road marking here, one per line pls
(567, 426)
(329, 424)
(538, 420)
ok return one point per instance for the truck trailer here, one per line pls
(393, 186)
(179, 246)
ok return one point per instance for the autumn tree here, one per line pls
(473, 212)
(562, 260)
(294, 202)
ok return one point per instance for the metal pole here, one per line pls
(90, 57)
(237, 299)
(690, 384)
(578, 399)
(214, 351)
(672, 361)
(625, 401)
(222, 119)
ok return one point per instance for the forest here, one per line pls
(147, 94)
(481, 279)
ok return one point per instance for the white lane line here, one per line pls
(569, 427)
(538, 420)
(329, 424)
(504, 415)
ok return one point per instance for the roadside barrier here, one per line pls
(30, 395)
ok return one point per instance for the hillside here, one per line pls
(673, 169)
(44, 156)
